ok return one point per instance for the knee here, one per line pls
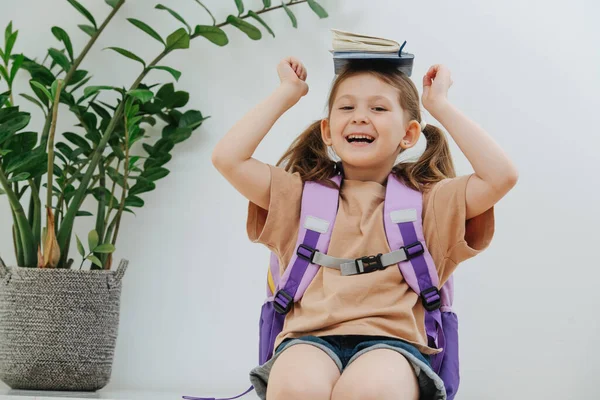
(296, 388)
(372, 388)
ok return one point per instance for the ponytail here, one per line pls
(434, 164)
(308, 156)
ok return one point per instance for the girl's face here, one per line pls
(366, 126)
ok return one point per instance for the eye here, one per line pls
(379, 109)
(346, 108)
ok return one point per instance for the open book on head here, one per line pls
(348, 46)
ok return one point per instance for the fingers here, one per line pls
(434, 72)
(297, 67)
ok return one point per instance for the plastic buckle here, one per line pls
(289, 302)
(370, 264)
(412, 251)
(436, 298)
(306, 257)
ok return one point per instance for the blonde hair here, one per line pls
(308, 154)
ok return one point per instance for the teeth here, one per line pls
(360, 137)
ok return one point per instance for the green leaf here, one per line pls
(38, 72)
(240, 6)
(4, 97)
(154, 174)
(192, 119)
(267, 3)
(91, 90)
(15, 123)
(10, 42)
(105, 248)
(142, 186)
(8, 113)
(118, 152)
(77, 140)
(174, 14)
(90, 30)
(17, 62)
(249, 29)
(54, 88)
(146, 28)
(27, 162)
(212, 33)
(3, 73)
(141, 94)
(83, 11)
(176, 74)
(291, 15)
(20, 144)
(157, 161)
(94, 260)
(179, 39)
(20, 177)
(112, 3)
(93, 239)
(60, 59)
(115, 176)
(61, 35)
(8, 31)
(261, 21)
(42, 88)
(33, 100)
(127, 54)
(316, 7)
(80, 247)
(100, 111)
(134, 201)
(83, 213)
(77, 77)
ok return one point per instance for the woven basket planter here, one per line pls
(58, 327)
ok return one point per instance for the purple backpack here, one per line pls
(403, 227)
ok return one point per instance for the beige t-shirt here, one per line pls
(377, 303)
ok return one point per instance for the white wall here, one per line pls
(526, 71)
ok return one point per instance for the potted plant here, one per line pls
(59, 321)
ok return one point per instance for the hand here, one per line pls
(292, 74)
(436, 83)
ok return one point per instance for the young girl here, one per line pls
(331, 343)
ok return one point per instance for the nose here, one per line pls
(359, 117)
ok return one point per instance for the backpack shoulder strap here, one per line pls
(403, 209)
(317, 216)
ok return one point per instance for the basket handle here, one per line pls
(121, 270)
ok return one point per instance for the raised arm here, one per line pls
(232, 156)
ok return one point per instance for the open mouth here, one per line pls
(360, 139)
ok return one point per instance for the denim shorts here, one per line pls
(344, 349)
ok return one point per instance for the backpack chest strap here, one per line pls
(363, 265)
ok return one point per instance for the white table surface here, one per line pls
(8, 394)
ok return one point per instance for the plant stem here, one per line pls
(101, 203)
(125, 176)
(17, 240)
(93, 39)
(64, 233)
(67, 223)
(37, 213)
(208, 11)
(23, 228)
(110, 202)
(291, 3)
(51, 145)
